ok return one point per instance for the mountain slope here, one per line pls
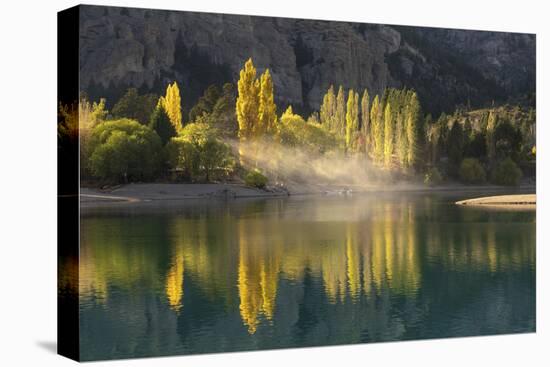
(121, 48)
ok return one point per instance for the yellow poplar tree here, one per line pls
(172, 104)
(377, 132)
(490, 136)
(388, 136)
(267, 111)
(411, 127)
(340, 112)
(365, 118)
(328, 109)
(401, 141)
(247, 101)
(247, 108)
(352, 121)
(355, 114)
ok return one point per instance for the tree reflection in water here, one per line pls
(306, 272)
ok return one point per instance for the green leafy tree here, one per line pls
(183, 157)
(124, 150)
(134, 106)
(219, 114)
(507, 140)
(206, 103)
(198, 151)
(223, 113)
(472, 172)
(476, 147)
(507, 173)
(455, 147)
(215, 158)
(160, 122)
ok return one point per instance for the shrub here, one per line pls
(433, 177)
(472, 172)
(255, 179)
(295, 132)
(507, 173)
(124, 150)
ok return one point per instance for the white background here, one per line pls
(28, 183)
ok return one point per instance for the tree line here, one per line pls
(145, 137)
(386, 129)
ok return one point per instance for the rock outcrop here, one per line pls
(144, 48)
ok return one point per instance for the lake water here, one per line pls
(276, 273)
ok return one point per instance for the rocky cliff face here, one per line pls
(147, 48)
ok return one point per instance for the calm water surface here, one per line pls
(275, 273)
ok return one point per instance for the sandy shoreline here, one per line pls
(158, 192)
(522, 201)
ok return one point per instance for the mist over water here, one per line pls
(285, 164)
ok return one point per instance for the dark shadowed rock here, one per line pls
(148, 48)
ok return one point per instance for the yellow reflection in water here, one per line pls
(238, 258)
(174, 283)
(93, 282)
(110, 257)
(257, 278)
(268, 283)
(492, 250)
(352, 255)
(377, 258)
(332, 263)
(390, 256)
